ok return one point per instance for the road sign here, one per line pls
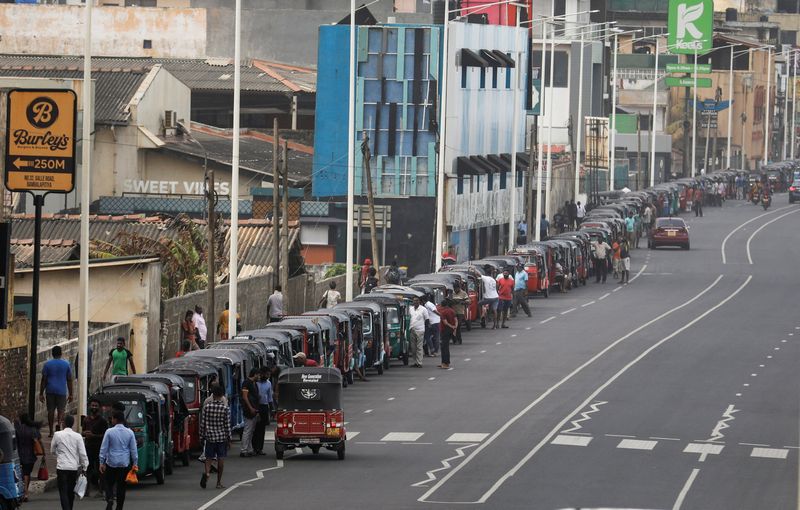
(702, 83)
(691, 26)
(689, 68)
(40, 140)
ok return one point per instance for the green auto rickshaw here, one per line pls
(394, 310)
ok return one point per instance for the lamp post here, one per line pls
(766, 109)
(233, 264)
(694, 117)
(351, 161)
(653, 123)
(794, 99)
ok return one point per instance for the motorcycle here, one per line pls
(766, 201)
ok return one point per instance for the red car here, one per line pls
(669, 232)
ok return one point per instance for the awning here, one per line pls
(464, 166)
(492, 59)
(471, 59)
(507, 61)
(523, 162)
(505, 166)
(489, 167)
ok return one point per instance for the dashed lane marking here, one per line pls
(483, 352)
(588, 304)
(431, 378)
(637, 444)
(618, 288)
(686, 487)
(412, 388)
(769, 453)
(352, 435)
(466, 437)
(367, 411)
(565, 312)
(604, 296)
(665, 438)
(547, 320)
(566, 440)
(499, 343)
(467, 359)
(390, 399)
(402, 437)
(618, 435)
(755, 444)
(514, 335)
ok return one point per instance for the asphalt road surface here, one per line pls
(678, 391)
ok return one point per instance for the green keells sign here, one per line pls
(691, 26)
(689, 68)
(702, 83)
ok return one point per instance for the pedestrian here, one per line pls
(250, 402)
(264, 406)
(721, 190)
(647, 217)
(70, 453)
(119, 359)
(490, 300)
(600, 249)
(625, 262)
(93, 429)
(615, 257)
(522, 232)
(418, 323)
(581, 213)
(364, 274)
(215, 430)
(448, 325)
(29, 442)
(275, 305)
(630, 228)
(330, 297)
(56, 387)
(118, 456)
(224, 322)
(432, 332)
(460, 302)
(505, 293)
(698, 202)
(572, 213)
(393, 274)
(544, 227)
(372, 280)
(520, 292)
(200, 323)
(189, 330)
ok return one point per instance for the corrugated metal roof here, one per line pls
(256, 256)
(56, 252)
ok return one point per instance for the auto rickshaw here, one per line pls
(256, 351)
(371, 332)
(296, 337)
(143, 414)
(11, 488)
(396, 328)
(535, 266)
(342, 343)
(277, 343)
(179, 412)
(310, 411)
(355, 321)
(234, 366)
(312, 345)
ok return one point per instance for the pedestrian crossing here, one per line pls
(703, 449)
(407, 437)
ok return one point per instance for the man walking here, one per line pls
(432, 333)
(449, 323)
(490, 300)
(275, 305)
(250, 403)
(630, 228)
(56, 387)
(600, 259)
(118, 456)
(581, 213)
(419, 321)
(119, 359)
(460, 302)
(71, 458)
(264, 406)
(94, 428)
(215, 430)
(505, 293)
(331, 297)
(520, 292)
(625, 262)
(200, 325)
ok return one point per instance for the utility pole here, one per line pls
(211, 250)
(285, 218)
(685, 132)
(529, 178)
(373, 231)
(638, 151)
(275, 203)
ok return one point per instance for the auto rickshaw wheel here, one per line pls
(379, 366)
(314, 449)
(350, 378)
(159, 473)
(279, 449)
(185, 458)
(170, 461)
(340, 452)
(405, 358)
(386, 362)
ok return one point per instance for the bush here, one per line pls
(339, 269)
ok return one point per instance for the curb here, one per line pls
(39, 487)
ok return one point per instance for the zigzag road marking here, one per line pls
(716, 434)
(576, 424)
(445, 465)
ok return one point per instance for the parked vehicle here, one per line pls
(310, 411)
(371, 332)
(395, 323)
(340, 344)
(669, 232)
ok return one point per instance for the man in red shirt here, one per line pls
(447, 324)
(505, 291)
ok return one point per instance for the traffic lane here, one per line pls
(476, 478)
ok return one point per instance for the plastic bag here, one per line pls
(131, 478)
(80, 485)
(43, 474)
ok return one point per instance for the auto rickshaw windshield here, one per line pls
(188, 390)
(134, 412)
(392, 315)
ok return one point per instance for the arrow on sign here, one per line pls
(21, 163)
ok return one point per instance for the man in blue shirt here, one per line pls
(264, 407)
(630, 228)
(56, 386)
(520, 292)
(118, 455)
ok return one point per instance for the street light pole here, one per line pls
(351, 142)
(512, 187)
(579, 123)
(766, 109)
(730, 112)
(440, 227)
(542, 106)
(786, 109)
(549, 179)
(653, 123)
(694, 118)
(613, 125)
(233, 264)
(794, 99)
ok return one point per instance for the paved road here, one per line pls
(678, 391)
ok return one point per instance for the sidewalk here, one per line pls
(39, 487)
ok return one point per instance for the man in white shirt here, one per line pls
(275, 305)
(490, 297)
(581, 213)
(200, 325)
(419, 321)
(70, 453)
(600, 248)
(432, 332)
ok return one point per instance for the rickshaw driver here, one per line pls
(301, 360)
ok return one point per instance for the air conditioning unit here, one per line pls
(170, 119)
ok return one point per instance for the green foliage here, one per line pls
(338, 269)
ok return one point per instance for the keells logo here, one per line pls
(42, 112)
(691, 26)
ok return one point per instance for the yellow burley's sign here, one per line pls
(40, 140)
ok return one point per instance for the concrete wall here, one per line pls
(162, 91)
(14, 367)
(58, 30)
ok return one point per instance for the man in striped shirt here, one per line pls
(215, 430)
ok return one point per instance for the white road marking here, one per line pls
(499, 343)
(754, 444)
(777, 349)
(618, 288)
(483, 352)
(400, 437)
(638, 274)
(465, 437)
(760, 366)
(637, 444)
(725, 241)
(791, 334)
(738, 394)
(512, 336)
(412, 388)
(467, 359)
(783, 341)
(390, 399)
(565, 312)
(619, 435)
(588, 304)
(352, 435)
(585, 416)
(417, 443)
(665, 438)
(561, 382)
(528, 328)
(721, 425)
(259, 476)
(769, 357)
(547, 320)
(564, 440)
(746, 385)
(749, 239)
(370, 442)
(686, 487)
(704, 449)
(368, 411)
(769, 453)
(431, 378)
(445, 465)
(753, 375)
(604, 296)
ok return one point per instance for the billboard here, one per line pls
(691, 26)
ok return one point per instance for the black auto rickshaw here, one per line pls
(372, 332)
(310, 411)
(341, 345)
(395, 327)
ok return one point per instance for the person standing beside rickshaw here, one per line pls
(505, 294)
(215, 430)
(490, 300)
(448, 326)
(264, 407)
(94, 428)
(625, 262)
(418, 323)
(432, 332)
(460, 301)
(250, 402)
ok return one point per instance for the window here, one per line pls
(494, 77)
(464, 77)
(460, 185)
(483, 77)
(147, 44)
(519, 179)
(560, 67)
(503, 180)
(490, 180)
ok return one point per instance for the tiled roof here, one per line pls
(55, 250)
(255, 246)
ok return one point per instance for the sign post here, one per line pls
(40, 159)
